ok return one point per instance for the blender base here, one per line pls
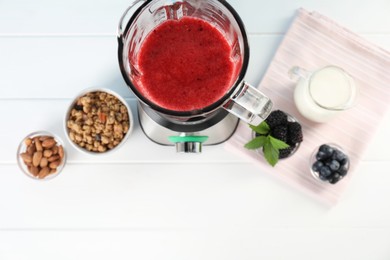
(217, 133)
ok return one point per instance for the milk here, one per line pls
(323, 94)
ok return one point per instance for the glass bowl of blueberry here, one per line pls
(329, 163)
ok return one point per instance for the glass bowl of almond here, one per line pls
(41, 155)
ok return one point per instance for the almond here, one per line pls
(48, 143)
(55, 149)
(27, 141)
(53, 158)
(33, 170)
(37, 158)
(44, 137)
(55, 164)
(61, 151)
(27, 158)
(47, 153)
(43, 162)
(53, 170)
(31, 149)
(38, 145)
(43, 172)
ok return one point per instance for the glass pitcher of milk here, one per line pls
(323, 94)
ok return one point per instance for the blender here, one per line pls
(210, 125)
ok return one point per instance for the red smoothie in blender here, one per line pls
(185, 64)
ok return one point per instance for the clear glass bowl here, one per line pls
(108, 91)
(290, 118)
(23, 147)
(313, 159)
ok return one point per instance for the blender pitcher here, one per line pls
(241, 99)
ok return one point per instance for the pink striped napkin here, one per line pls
(314, 41)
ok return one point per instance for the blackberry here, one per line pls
(280, 132)
(284, 153)
(294, 133)
(276, 118)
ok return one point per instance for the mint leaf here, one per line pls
(271, 154)
(270, 144)
(256, 142)
(262, 129)
(277, 144)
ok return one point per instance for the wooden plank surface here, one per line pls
(101, 17)
(145, 201)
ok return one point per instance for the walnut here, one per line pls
(98, 121)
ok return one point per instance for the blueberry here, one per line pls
(321, 155)
(324, 147)
(340, 155)
(328, 161)
(344, 161)
(323, 178)
(334, 165)
(343, 170)
(335, 178)
(329, 151)
(317, 166)
(325, 171)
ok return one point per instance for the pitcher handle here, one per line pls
(297, 72)
(249, 104)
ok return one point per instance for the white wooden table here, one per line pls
(146, 201)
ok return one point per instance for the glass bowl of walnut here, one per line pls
(98, 121)
(41, 155)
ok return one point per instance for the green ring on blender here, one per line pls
(185, 139)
